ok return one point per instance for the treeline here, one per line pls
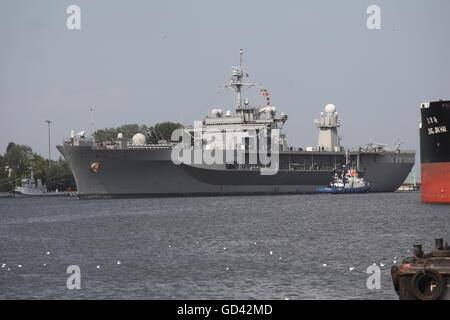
(154, 134)
(16, 163)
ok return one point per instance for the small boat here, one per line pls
(33, 187)
(346, 182)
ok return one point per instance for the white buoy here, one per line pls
(98, 267)
(19, 266)
(119, 262)
(270, 252)
(48, 253)
(324, 264)
(351, 268)
(224, 248)
(227, 268)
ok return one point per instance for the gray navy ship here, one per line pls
(136, 168)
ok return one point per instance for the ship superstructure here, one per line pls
(135, 168)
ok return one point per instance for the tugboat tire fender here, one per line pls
(433, 275)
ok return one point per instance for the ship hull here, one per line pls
(436, 182)
(151, 173)
(435, 152)
(344, 190)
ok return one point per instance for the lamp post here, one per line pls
(92, 125)
(49, 153)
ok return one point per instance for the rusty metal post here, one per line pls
(439, 243)
(418, 253)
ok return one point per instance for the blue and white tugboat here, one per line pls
(346, 182)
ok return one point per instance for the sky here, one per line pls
(162, 60)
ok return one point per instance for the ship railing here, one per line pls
(150, 146)
(79, 142)
(403, 151)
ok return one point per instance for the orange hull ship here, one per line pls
(435, 152)
(436, 182)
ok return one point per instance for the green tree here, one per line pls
(110, 134)
(21, 159)
(10, 146)
(18, 158)
(59, 176)
(163, 131)
(160, 131)
(4, 181)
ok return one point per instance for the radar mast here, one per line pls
(236, 83)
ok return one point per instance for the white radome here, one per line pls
(216, 113)
(330, 108)
(138, 139)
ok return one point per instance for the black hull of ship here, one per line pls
(435, 152)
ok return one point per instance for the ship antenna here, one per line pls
(241, 58)
(236, 83)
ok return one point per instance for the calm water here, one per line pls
(196, 248)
